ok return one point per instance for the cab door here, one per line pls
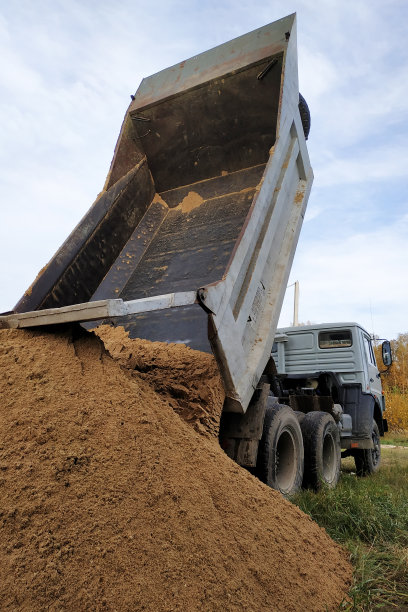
(373, 375)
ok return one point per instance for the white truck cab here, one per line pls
(335, 359)
(344, 348)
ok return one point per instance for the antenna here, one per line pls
(372, 320)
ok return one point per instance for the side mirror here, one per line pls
(386, 353)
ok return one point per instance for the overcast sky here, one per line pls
(67, 70)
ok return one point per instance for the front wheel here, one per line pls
(280, 455)
(368, 461)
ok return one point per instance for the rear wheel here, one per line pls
(300, 416)
(280, 455)
(368, 461)
(321, 440)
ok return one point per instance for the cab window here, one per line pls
(369, 350)
(335, 339)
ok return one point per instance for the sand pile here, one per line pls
(110, 501)
(189, 380)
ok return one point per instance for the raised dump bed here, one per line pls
(206, 195)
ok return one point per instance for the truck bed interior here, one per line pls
(183, 179)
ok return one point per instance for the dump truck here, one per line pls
(193, 236)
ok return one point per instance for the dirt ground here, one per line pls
(111, 501)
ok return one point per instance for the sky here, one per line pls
(67, 71)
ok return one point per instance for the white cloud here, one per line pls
(66, 74)
(354, 277)
(378, 163)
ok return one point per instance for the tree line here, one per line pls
(395, 384)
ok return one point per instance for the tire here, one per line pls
(300, 416)
(280, 454)
(304, 115)
(321, 441)
(368, 461)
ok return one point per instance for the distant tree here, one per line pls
(395, 383)
(397, 377)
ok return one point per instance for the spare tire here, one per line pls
(280, 454)
(321, 441)
(304, 115)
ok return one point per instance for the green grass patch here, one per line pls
(396, 438)
(369, 516)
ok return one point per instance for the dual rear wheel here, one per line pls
(281, 455)
(298, 450)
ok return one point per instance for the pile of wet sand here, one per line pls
(110, 501)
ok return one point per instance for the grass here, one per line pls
(396, 438)
(369, 516)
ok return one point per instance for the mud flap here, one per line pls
(240, 434)
(360, 406)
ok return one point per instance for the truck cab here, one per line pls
(334, 360)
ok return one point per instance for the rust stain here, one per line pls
(300, 194)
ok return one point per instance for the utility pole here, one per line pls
(296, 306)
